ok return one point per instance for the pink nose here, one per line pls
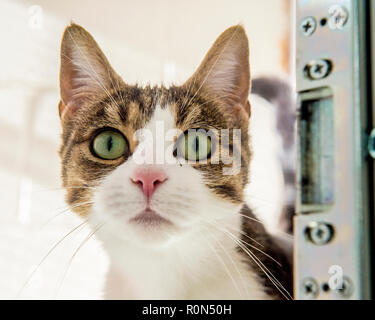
(148, 179)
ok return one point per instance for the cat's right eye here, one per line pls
(109, 145)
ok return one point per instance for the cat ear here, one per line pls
(85, 72)
(224, 73)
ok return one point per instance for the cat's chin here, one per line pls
(149, 219)
(151, 228)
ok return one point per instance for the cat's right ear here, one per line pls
(85, 72)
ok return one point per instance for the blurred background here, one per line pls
(145, 41)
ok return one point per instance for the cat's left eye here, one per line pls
(194, 145)
(109, 145)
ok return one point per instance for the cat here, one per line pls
(177, 228)
(279, 94)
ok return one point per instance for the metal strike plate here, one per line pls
(332, 230)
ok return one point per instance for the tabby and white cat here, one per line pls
(172, 229)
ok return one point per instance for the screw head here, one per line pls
(338, 17)
(371, 144)
(347, 288)
(318, 69)
(308, 26)
(319, 233)
(309, 288)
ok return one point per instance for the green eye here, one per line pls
(194, 145)
(109, 145)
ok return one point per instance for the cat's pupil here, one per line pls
(196, 144)
(109, 143)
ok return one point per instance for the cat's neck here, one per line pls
(188, 270)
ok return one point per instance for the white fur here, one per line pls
(191, 259)
(265, 167)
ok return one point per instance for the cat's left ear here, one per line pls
(85, 72)
(224, 74)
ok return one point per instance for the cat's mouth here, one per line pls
(149, 217)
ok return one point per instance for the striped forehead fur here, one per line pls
(131, 109)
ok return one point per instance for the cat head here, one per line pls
(153, 164)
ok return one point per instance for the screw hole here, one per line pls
(323, 22)
(309, 288)
(325, 287)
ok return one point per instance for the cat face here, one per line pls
(154, 164)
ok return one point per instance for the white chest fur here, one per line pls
(208, 267)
